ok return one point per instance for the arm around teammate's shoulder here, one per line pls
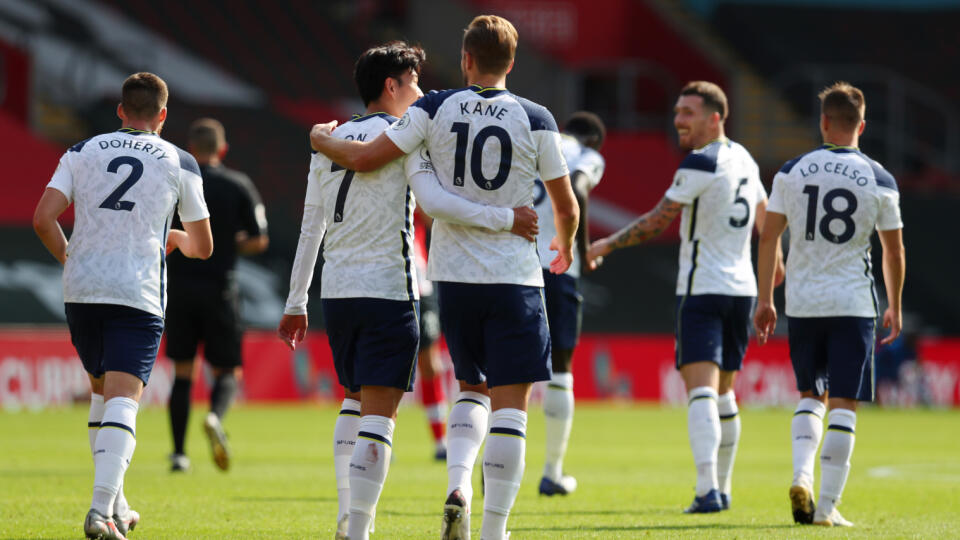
(353, 155)
(894, 273)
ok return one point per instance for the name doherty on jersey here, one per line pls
(142, 146)
(478, 108)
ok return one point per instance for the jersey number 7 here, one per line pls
(342, 192)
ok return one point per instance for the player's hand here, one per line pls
(893, 320)
(319, 131)
(292, 330)
(564, 257)
(597, 251)
(174, 238)
(764, 321)
(525, 223)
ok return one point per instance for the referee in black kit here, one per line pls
(204, 301)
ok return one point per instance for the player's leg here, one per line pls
(736, 324)
(429, 376)
(344, 440)
(460, 318)
(518, 354)
(386, 352)
(808, 357)
(850, 372)
(179, 410)
(223, 349)
(563, 313)
(699, 333)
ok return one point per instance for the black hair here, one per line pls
(391, 59)
(588, 127)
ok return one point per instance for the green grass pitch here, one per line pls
(632, 462)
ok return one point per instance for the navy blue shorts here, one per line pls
(833, 354)
(713, 328)
(110, 337)
(429, 320)
(374, 341)
(563, 309)
(495, 332)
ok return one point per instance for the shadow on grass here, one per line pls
(281, 499)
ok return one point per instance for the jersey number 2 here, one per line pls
(113, 202)
(342, 192)
(462, 129)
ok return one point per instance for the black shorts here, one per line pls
(109, 337)
(833, 354)
(495, 332)
(374, 341)
(429, 320)
(563, 309)
(713, 328)
(208, 312)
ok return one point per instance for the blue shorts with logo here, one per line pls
(713, 328)
(563, 299)
(374, 341)
(111, 337)
(495, 332)
(833, 355)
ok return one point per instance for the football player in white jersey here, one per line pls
(124, 187)
(717, 188)
(832, 198)
(582, 138)
(489, 146)
(368, 289)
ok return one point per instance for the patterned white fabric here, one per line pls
(833, 199)
(719, 186)
(124, 187)
(488, 146)
(579, 158)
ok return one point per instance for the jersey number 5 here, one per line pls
(342, 192)
(113, 202)
(831, 214)
(462, 129)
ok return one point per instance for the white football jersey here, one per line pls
(488, 146)
(579, 158)
(124, 187)
(833, 199)
(719, 186)
(368, 246)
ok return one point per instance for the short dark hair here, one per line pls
(492, 41)
(712, 95)
(844, 104)
(376, 64)
(143, 95)
(588, 127)
(206, 136)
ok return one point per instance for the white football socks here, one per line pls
(503, 463)
(344, 439)
(368, 471)
(835, 458)
(558, 409)
(806, 429)
(703, 425)
(466, 428)
(729, 438)
(112, 451)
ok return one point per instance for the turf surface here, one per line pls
(632, 462)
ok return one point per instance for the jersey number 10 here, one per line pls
(462, 129)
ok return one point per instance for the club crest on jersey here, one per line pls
(403, 122)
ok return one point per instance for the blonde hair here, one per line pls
(492, 42)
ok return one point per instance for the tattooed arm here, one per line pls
(644, 228)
